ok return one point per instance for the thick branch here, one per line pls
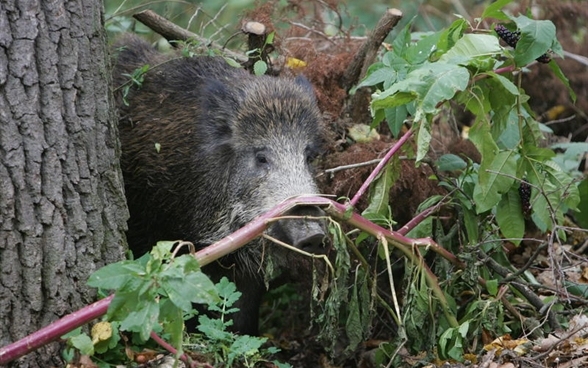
(366, 55)
(173, 32)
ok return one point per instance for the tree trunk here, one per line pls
(62, 208)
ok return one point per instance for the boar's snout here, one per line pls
(308, 231)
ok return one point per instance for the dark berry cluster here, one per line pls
(525, 194)
(511, 39)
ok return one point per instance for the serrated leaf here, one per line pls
(244, 347)
(142, 319)
(509, 216)
(114, 275)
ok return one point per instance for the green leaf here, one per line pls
(379, 204)
(232, 62)
(142, 319)
(509, 86)
(495, 179)
(451, 35)
(392, 100)
(509, 216)
(382, 75)
(494, 10)
(402, 40)
(541, 214)
(244, 347)
(450, 162)
(492, 287)
(445, 80)
(472, 46)
(577, 289)
(83, 343)
(423, 139)
(537, 37)
(114, 275)
(582, 214)
(419, 52)
(471, 224)
(260, 67)
(560, 75)
(431, 84)
(395, 118)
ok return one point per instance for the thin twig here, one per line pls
(352, 166)
(173, 32)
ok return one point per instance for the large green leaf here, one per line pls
(472, 46)
(430, 84)
(537, 37)
(445, 80)
(494, 180)
(510, 217)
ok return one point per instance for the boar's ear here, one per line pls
(219, 105)
(305, 84)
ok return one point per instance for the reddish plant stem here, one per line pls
(53, 331)
(380, 167)
(85, 315)
(229, 244)
(164, 344)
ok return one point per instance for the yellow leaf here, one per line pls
(101, 331)
(294, 63)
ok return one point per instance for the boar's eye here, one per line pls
(261, 158)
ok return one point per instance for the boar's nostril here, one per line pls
(313, 243)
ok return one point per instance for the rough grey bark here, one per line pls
(62, 209)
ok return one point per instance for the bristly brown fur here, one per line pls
(195, 135)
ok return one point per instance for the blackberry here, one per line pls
(525, 194)
(511, 38)
(545, 58)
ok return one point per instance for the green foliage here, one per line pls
(420, 77)
(135, 79)
(415, 82)
(225, 347)
(156, 293)
(143, 285)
